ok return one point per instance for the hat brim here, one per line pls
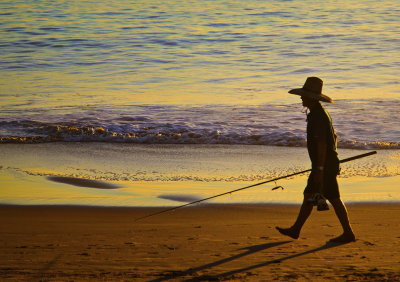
(311, 95)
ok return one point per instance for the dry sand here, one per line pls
(208, 242)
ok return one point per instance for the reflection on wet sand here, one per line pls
(179, 197)
(82, 182)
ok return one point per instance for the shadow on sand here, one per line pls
(248, 251)
(82, 182)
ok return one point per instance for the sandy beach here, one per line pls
(68, 213)
(203, 243)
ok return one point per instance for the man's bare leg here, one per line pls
(304, 213)
(341, 213)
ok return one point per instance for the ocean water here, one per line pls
(361, 124)
(196, 71)
(149, 80)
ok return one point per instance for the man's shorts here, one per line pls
(330, 188)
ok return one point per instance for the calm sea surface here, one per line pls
(197, 71)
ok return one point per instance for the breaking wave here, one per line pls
(164, 135)
(275, 125)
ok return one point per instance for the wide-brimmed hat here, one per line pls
(312, 88)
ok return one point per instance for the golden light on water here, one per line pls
(179, 53)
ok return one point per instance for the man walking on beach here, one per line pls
(322, 182)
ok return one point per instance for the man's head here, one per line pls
(308, 102)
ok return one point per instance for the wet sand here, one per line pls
(132, 175)
(207, 242)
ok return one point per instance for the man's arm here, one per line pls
(321, 157)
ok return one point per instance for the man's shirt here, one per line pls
(319, 128)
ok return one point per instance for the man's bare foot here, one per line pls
(344, 238)
(288, 232)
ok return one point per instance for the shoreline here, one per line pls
(95, 174)
(21, 189)
(201, 243)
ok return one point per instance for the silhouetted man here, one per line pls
(321, 144)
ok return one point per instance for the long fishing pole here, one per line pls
(253, 185)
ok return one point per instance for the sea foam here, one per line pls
(360, 124)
